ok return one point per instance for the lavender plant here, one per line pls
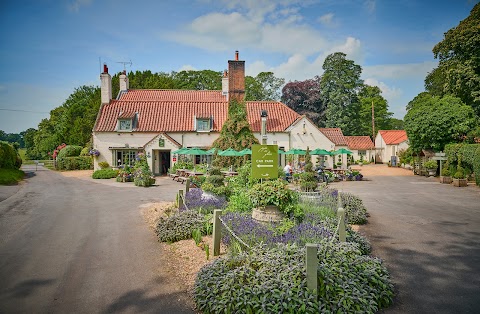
(179, 226)
(195, 199)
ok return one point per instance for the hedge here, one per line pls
(75, 163)
(69, 151)
(9, 157)
(470, 157)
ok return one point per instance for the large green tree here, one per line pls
(458, 72)
(339, 85)
(372, 96)
(265, 86)
(432, 122)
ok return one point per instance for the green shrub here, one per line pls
(355, 211)
(469, 155)
(308, 182)
(430, 164)
(75, 163)
(9, 157)
(273, 192)
(10, 176)
(179, 226)
(85, 151)
(240, 202)
(273, 280)
(217, 190)
(103, 165)
(105, 174)
(69, 151)
(215, 180)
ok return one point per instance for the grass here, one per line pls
(10, 176)
(23, 154)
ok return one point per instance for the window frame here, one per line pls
(202, 121)
(119, 126)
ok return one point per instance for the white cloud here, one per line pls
(75, 5)
(327, 20)
(400, 71)
(390, 93)
(370, 5)
(187, 67)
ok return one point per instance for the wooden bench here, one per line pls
(182, 179)
(173, 175)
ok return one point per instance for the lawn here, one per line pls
(10, 176)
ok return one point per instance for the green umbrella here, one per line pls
(320, 151)
(342, 151)
(230, 152)
(281, 152)
(295, 151)
(180, 151)
(212, 151)
(195, 151)
(246, 151)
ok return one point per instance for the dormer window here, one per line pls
(125, 125)
(203, 125)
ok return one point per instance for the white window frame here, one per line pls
(203, 125)
(119, 127)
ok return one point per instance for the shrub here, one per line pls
(85, 151)
(355, 211)
(105, 174)
(142, 174)
(308, 182)
(430, 164)
(195, 199)
(273, 192)
(179, 226)
(273, 280)
(74, 163)
(103, 165)
(69, 151)
(240, 202)
(9, 157)
(215, 180)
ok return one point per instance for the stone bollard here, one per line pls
(312, 266)
(341, 228)
(217, 231)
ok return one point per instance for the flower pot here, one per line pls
(269, 213)
(460, 182)
(446, 180)
(432, 172)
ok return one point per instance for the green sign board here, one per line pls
(265, 161)
(161, 142)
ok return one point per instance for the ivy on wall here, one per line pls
(470, 157)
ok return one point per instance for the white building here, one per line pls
(388, 143)
(361, 147)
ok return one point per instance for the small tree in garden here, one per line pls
(308, 182)
(236, 134)
(142, 174)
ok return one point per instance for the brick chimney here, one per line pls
(225, 83)
(123, 78)
(105, 85)
(236, 79)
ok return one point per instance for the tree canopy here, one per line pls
(368, 96)
(433, 121)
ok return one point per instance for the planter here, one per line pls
(446, 180)
(269, 213)
(460, 182)
(432, 172)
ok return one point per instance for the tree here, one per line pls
(432, 122)
(304, 97)
(339, 85)
(458, 72)
(198, 80)
(367, 96)
(265, 86)
(396, 124)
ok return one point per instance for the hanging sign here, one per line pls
(161, 142)
(265, 161)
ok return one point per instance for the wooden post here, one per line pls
(180, 198)
(217, 234)
(341, 229)
(187, 185)
(312, 265)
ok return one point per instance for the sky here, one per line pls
(50, 47)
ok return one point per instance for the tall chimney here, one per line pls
(236, 79)
(225, 83)
(105, 85)
(123, 78)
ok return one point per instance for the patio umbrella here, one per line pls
(230, 152)
(295, 151)
(195, 151)
(246, 151)
(212, 151)
(342, 151)
(281, 152)
(320, 151)
(180, 151)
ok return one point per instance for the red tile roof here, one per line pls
(335, 135)
(359, 142)
(393, 137)
(174, 111)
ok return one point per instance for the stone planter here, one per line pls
(446, 180)
(269, 213)
(460, 182)
(431, 172)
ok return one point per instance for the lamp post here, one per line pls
(263, 116)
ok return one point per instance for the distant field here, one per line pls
(23, 153)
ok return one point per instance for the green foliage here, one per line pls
(265, 86)
(308, 182)
(240, 202)
(103, 165)
(181, 164)
(273, 192)
(273, 280)
(105, 174)
(9, 157)
(217, 190)
(406, 156)
(431, 164)
(355, 210)
(10, 176)
(142, 174)
(433, 122)
(235, 133)
(367, 96)
(179, 226)
(69, 151)
(85, 151)
(468, 155)
(197, 236)
(75, 163)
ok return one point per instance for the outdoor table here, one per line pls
(193, 173)
(229, 173)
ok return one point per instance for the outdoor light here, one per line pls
(264, 115)
(148, 155)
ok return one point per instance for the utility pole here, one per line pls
(373, 132)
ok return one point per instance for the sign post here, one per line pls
(265, 161)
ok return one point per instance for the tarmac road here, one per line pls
(428, 234)
(73, 246)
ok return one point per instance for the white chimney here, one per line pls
(123, 81)
(225, 83)
(106, 85)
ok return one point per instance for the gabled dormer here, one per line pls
(127, 121)
(203, 123)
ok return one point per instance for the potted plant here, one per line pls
(431, 166)
(272, 200)
(459, 179)
(445, 175)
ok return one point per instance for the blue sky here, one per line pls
(50, 47)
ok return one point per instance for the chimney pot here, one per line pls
(105, 68)
(236, 55)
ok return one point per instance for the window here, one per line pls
(203, 125)
(362, 152)
(125, 124)
(124, 157)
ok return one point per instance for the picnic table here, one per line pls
(193, 173)
(229, 173)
